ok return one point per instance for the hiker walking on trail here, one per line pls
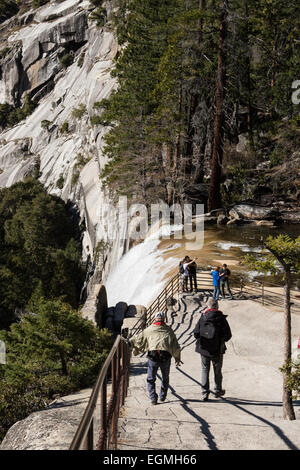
(224, 281)
(211, 333)
(216, 282)
(161, 344)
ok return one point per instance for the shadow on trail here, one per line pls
(238, 402)
(139, 368)
(276, 429)
(205, 427)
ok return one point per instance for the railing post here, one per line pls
(263, 292)
(103, 416)
(89, 440)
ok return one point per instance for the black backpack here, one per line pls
(208, 329)
(181, 268)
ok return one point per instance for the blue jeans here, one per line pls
(217, 363)
(216, 292)
(153, 367)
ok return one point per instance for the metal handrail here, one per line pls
(115, 367)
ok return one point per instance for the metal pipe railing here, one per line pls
(91, 435)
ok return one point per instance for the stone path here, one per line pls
(249, 416)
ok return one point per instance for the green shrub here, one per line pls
(99, 15)
(101, 249)
(79, 112)
(66, 60)
(277, 156)
(81, 59)
(60, 182)
(75, 178)
(4, 52)
(81, 161)
(39, 3)
(8, 8)
(97, 121)
(10, 116)
(45, 124)
(64, 128)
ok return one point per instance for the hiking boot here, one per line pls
(205, 397)
(220, 393)
(154, 402)
(163, 398)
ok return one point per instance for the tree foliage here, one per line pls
(52, 351)
(39, 249)
(161, 116)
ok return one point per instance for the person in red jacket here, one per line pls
(211, 333)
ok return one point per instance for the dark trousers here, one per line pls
(222, 285)
(153, 367)
(193, 277)
(185, 283)
(217, 363)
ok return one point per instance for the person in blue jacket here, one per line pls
(216, 282)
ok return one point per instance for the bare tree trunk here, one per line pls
(214, 198)
(63, 361)
(202, 5)
(287, 402)
(249, 86)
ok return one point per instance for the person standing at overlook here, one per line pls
(224, 281)
(216, 282)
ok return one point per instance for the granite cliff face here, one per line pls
(58, 57)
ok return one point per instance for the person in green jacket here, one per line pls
(161, 344)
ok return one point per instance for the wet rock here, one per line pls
(247, 211)
(222, 219)
(291, 217)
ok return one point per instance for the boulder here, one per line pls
(120, 310)
(291, 217)
(222, 219)
(110, 324)
(49, 429)
(131, 311)
(247, 211)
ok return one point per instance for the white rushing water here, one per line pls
(139, 277)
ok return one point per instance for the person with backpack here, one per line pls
(224, 281)
(161, 344)
(212, 332)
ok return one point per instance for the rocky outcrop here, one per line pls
(54, 142)
(247, 211)
(49, 429)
